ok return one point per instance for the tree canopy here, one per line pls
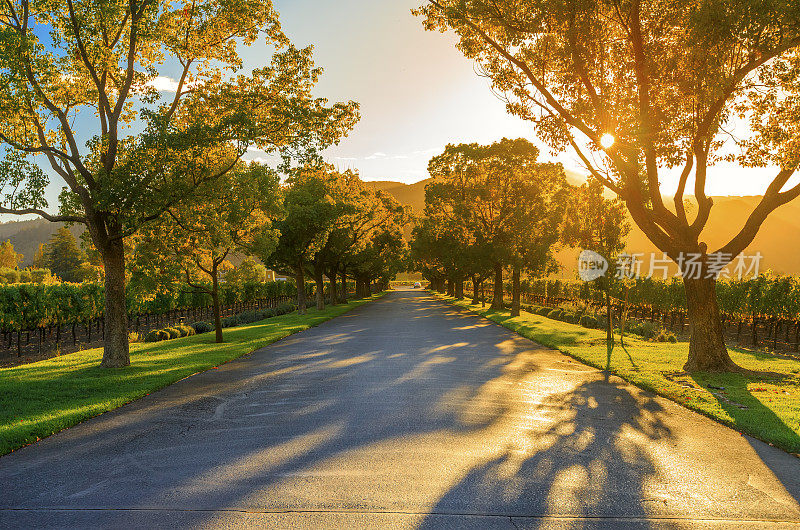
(9, 258)
(232, 214)
(489, 207)
(643, 87)
(146, 151)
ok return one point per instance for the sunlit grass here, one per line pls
(41, 398)
(767, 408)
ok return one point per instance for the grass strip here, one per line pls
(42, 398)
(767, 408)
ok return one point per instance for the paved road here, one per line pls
(402, 413)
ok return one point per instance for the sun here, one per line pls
(607, 140)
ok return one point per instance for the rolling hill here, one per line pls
(778, 240)
(27, 235)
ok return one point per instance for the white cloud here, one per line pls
(376, 156)
(346, 158)
(163, 84)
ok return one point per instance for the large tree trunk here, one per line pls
(344, 284)
(319, 289)
(476, 290)
(707, 350)
(460, 288)
(332, 287)
(115, 345)
(215, 302)
(515, 295)
(451, 287)
(497, 300)
(300, 280)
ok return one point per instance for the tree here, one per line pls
(595, 223)
(464, 186)
(342, 193)
(637, 88)
(248, 271)
(40, 258)
(309, 212)
(537, 199)
(74, 60)
(364, 212)
(233, 213)
(427, 252)
(64, 257)
(9, 258)
(383, 255)
(449, 229)
(500, 203)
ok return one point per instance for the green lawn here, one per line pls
(39, 399)
(765, 408)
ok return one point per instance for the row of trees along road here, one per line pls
(493, 208)
(489, 207)
(334, 226)
(80, 90)
(640, 88)
(319, 223)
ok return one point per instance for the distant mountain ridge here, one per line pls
(26, 236)
(778, 241)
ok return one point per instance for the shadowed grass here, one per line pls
(767, 408)
(42, 398)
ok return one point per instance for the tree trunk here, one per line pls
(460, 289)
(476, 290)
(344, 285)
(707, 350)
(497, 300)
(332, 287)
(300, 280)
(515, 295)
(451, 288)
(215, 302)
(115, 346)
(609, 324)
(319, 289)
(623, 317)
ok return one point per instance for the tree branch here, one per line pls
(44, 215)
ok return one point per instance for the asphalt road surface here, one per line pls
(404, 413)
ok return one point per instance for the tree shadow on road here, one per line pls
(360, 414)
(584, 454)
(750, 414)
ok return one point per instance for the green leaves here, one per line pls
(22, 183)
(489, 204)
(155, 139)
